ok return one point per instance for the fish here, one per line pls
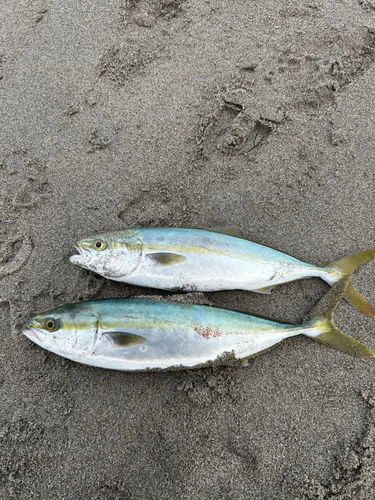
(206, 260)
(139, 334)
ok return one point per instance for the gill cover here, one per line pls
(125, 260)
(112, 255)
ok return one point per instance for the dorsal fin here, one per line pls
(230, 231)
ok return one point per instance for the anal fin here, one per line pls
(265, 290)
(244, 361)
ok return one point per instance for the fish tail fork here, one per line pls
(345, 268)
(322, 328)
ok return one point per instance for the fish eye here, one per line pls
(99, 245)
(50, 324)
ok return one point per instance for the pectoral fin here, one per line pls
(122, 340)
(166, 259)
(230, 231)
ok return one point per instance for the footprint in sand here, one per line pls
(14, 254)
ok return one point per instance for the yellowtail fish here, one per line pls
(141, 334)
(205, 260)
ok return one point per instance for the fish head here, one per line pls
(113, 255)
(70, 331)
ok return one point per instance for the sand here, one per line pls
(130, 113)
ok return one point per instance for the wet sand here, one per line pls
(131, 113)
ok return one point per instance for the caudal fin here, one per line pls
(322, 328)
(345, 268)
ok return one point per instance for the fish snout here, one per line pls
(34, 334)
(84, 255)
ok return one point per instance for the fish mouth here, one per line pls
(37, 336)
(83, 257)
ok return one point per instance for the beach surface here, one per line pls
(182, 113)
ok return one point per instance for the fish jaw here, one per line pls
(83, 258)
(37, 336)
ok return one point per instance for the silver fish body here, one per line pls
(181, 259)
(199, 260)
(141, 334)
(164, 334)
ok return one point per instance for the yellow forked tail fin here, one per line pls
(333, 337)
(323, 328)
(346, 268)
